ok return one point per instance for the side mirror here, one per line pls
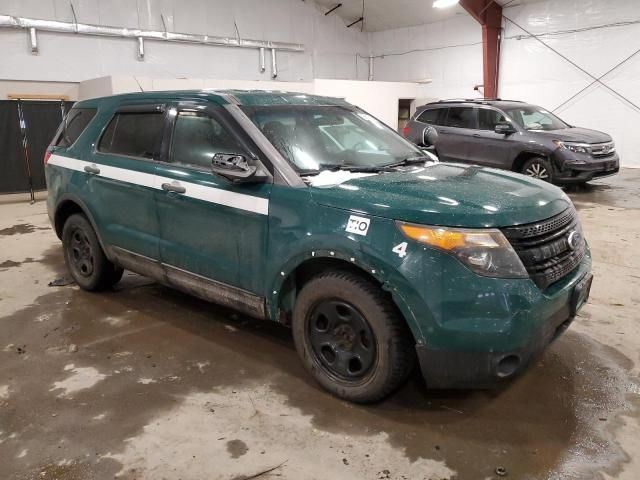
(235, 167)
(504, 129)
(429, 137)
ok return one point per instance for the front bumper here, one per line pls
(506, 352)
(596, 168)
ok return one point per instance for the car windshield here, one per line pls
(535, 118)
(315, 138)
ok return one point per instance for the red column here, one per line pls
(489, 14)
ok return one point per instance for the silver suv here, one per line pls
(513, 136)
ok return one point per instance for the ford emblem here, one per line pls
(573, 240)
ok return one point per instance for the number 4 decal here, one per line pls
(401, 249)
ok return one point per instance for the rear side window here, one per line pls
(432, 116)
(74, 124)
(197, 137)
(134, 134)
(461, 117)
(488, 119)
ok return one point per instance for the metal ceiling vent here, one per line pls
(32, 25)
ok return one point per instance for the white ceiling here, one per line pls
(388, 14)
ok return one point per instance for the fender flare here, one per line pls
(70, 197)
(370, 265)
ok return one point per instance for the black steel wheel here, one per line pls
(342, 339)
(350, 336)
(81, 253)
(84, 256)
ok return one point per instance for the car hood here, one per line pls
(442, 194)
(575, 134)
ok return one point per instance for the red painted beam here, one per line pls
(488, 14)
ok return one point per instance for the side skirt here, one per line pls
(191, 283)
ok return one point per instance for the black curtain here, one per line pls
(13, 173)
(41, 120)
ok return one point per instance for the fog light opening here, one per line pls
(508, 366)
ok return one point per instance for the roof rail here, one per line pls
(483, 101)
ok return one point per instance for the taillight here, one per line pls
(47, 154)
(405, 131)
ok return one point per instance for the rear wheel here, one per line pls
(538, 167)
(350, 337)
(84, 256)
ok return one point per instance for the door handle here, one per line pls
(173, 187)
(477, 135)
(92, 169)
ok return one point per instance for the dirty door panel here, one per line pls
(120, 179)
(209, 225)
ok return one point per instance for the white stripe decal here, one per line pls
(218, 196)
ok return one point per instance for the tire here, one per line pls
(84, 256)
(538, 167)
(351, 338)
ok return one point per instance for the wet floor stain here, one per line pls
(620, 191)
(7, 264)
(19, 229)
(237, 448)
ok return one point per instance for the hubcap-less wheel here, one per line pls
(81, 253)
(537, 170)
(342, 340)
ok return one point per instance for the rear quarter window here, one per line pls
(432, 116)
(73, 125)
(133, 134)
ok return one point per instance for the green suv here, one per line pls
(308, 211)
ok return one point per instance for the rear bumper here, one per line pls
(572, 173)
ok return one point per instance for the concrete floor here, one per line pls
(144, 382)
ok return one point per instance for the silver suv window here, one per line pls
(461, 117)
(489, 118)
(432, 116)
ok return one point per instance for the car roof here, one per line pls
(220, 97)
(499, 103)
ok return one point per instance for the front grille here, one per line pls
(603, 150)
(543, 247)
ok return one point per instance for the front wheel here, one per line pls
(351, 338)
(84, 256)
(539, 168)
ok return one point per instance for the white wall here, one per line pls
(330, 48)
(532, 72)
(447, 52)
(378, 98)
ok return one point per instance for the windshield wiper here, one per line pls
(408, 161)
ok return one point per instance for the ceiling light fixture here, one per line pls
(444, 3)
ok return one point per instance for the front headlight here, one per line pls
(484, 251)
(573, 147)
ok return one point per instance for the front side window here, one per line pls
(314, 138)
(488, 119)
(197, 137)
(134, 134)
(74, 124)
(461, 117)
(531, 117)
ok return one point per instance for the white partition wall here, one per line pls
(378, 98)
(596, 35)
